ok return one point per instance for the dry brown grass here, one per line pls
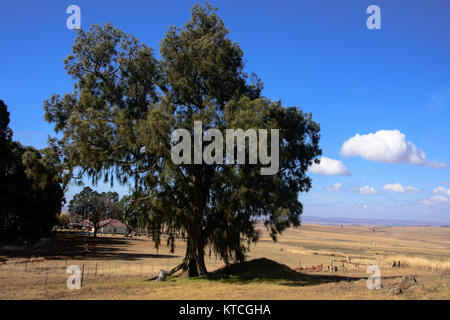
(117, 269)
(420, 263)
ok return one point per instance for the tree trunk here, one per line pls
(200, 258)
(192, 268)
(195, 258)
(189, 264)
(196, 244)
(193, 262)
(189, 260)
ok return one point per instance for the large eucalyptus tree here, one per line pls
(117, 125)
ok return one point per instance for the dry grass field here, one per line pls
(116, 268)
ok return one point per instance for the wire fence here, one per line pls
(56, 271)
(50, 272)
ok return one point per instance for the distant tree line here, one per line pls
(31, 187)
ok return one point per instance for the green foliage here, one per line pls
(117, 124)
(5, 131)
(64, 220)
(31, 187)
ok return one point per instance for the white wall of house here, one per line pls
(114, 229)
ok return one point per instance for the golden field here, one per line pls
(117, 268)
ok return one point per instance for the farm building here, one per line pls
(112, 226)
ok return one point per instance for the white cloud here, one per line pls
(439, 199)
(445, 183)
(398, 188)
(387, 146)
(442, 191)
(329, 167)
(335, 187)
(365, 206)
(367, 190)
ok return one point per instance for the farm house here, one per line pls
(113, 226)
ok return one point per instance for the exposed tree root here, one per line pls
(172, 271)
(184, 266)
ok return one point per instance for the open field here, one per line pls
(116, 268)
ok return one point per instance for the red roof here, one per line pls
(112, 223)
(87, 223)
(108, 222)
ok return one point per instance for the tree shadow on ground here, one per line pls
(263, 269)
(73, 245)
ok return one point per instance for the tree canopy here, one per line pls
(31, 187)
(117, 125)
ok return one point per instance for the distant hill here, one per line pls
(367, 221)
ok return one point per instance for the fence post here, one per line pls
(95, 269)
(82, 275)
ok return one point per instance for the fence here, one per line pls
(49, 272)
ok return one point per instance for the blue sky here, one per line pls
(318, 55)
